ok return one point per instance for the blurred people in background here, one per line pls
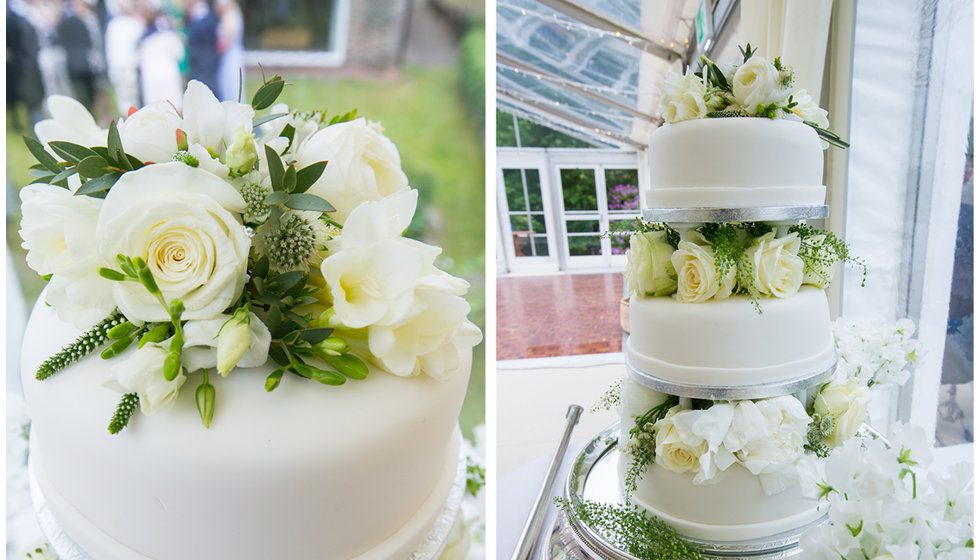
(81, 50)
(122, 38)
(231, 29)
(202, 42)
(24, 85)
(160, 53)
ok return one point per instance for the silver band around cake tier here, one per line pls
(725, 215)
(594, 477)
(732, 392)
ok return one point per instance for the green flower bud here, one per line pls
(171, 366)
(241, 157)
(204, 396)
(273, 380)
(158, 333)
(234, 339)
(332, 346)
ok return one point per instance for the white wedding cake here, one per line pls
(244, 283)
(731, 355)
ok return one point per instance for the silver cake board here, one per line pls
(694, 215)
(594, 476)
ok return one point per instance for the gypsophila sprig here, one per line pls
(632, 530)
(94, 338)
(476, 477)
(641, 443)
(821, 250)
(611, 398)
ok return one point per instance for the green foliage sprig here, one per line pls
(632, 530)
(476, 477)
(821, 427)
(832, 249)
(611, 398)
(644, 449)
(124, 411)
(94, 338)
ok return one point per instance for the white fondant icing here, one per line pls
(307, 471)
(729, 342)
(735, 163)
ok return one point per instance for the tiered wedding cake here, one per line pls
(730, 354)
(230, 275)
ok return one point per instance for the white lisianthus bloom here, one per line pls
(70, 122)
(678, 451)
(150, 134)
(210, 122)
(847, 403)
(58, 229)
(756, 83)
(767, 435)
(697, 278)
(682, 98)
(648, 266)
(777, 269)
(202, 342)
(363, 165)
(141, 372)
(185, 223)
(372, 271)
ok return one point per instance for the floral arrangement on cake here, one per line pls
(198, 237)
(754, 87)
(768, 437)
(714, 261)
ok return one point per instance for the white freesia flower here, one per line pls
(756, 83)
(141, 372)
(682, 98)
(207, 163)
(808, 111)
(211, 123)
(241, 155)
(697, 278)
(677, 451)
(184, 222)
(58, 229)
(777, 270)
(70, 122)
(648, 266)
(150, 134)
(847, 403)
(363, 165)
(201, 342)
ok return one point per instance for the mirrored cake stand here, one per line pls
(431, 547)
(594, 476)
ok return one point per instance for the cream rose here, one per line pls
(697, 278)
(676, 451)
(820, 270)
(683, 98)
(185, 223)
(141, 372)
(648, 266)
(756, 83)
(777, 270)
(847, 403)
(363, 165)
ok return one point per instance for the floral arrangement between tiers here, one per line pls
(754, 87)
(198, 237)
(714, 261)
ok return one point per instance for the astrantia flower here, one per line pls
(295, 244)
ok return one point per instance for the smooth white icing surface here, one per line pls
(729, 342)
(735, 508)
(307, 471)
(735, 163)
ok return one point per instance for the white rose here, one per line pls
(678, 451)
(372, 271)
(150, 134)
(819, 270)
(184, 222)
(767, 435)
(141, 372)
(847, 403)
(682, 98)
(777, 270)
(429, 341)
(201, 342)
(697, 278)
(211, 123)
(648, 266)
(58, 229)
(70, 122)
(363, 165)
(808, 111)
(756, 83)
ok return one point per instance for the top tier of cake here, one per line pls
(735, 163)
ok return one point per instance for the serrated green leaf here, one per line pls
(268, 93)
(277, 197)
(92, 167)
(276, 170)
(94, 187)
(259, 121)
(315, 335)
(42, 155)
(349, 365)
(308, 175)
(73, 153)
(306, 201)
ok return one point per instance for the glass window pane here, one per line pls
(619, 237)
(622, 192)
(541, 245)
(582, 226)
(537, 224)
(514, 187)
(505, 129)
(578, 189)
(584, 245)
(522, 244)
(519, 223)
(534, 202)
(300, 25)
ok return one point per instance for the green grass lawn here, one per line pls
(441, 151)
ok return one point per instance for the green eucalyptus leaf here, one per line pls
(116, 153)
(73, 153)
(259, 121)
(289, 178)
(276, 170)
(291, 336)
(306, 201)
(134, 162)
(277, 197)
(261, 267)
(349, 365)
(275, 214)
(308, 175)
(315, 335)
(278, 354)
(288, 132)
(268, 93)
(98, 185)
(273, 318)
(287, 280)
(92, 167)
(42, 155)
(64, 175)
